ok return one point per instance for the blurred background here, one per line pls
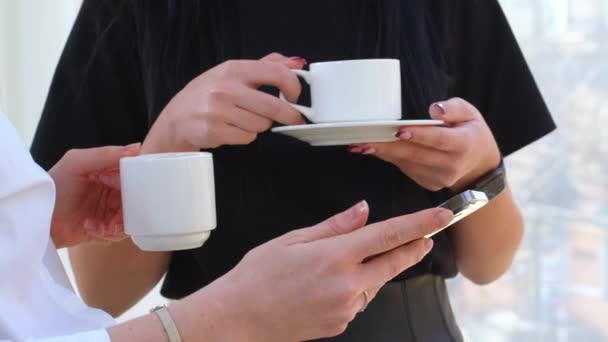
(557, 289)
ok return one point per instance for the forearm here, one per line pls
(207, 315)
(485, 243)
(145, 328)
(148, 328)
(114, 277)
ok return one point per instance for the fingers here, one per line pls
(290, 62)
(371, 294)
(430, 168)
(232, 135)
(449, 139)
(387, 235)
(264, 72)
(116, 220)
(276, 57)
(211, 130)
(247, 120)
(267, 106)
(342, 223)
(110, 178)
(107, 222)
(387, 266)
(104, 232)
(99, 159)
(387, 152)
(454, 110)
(401, 151)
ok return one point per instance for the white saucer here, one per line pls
(352, 132)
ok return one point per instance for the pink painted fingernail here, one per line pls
(404, 135)
(301, 60)
(368, 150)
(441, 107)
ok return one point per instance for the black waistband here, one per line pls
(416, 309)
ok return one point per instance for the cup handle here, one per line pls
(308, 112)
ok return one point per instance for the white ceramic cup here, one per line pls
(353, 90)
(168, 200)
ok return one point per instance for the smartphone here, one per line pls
(463, 205)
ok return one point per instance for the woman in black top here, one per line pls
(125, 60)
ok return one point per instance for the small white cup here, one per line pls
(168, 200)
(353, 90)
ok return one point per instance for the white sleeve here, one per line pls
(89, 336)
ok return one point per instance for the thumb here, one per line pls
(342, 223)
(453, 111)
(101, 159)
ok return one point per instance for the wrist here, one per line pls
(491, 162)
(215, 313)
(164, 137)
(237, 311)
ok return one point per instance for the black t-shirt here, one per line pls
(101, 96)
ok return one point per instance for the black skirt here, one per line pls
(416, 309)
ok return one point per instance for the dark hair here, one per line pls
(181, 31)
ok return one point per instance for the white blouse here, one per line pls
(37, 302)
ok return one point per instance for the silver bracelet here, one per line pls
(165, 318)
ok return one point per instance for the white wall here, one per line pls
(32, 35)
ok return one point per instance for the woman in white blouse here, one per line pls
(340, 263)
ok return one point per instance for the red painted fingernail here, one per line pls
(299, 60)
(441, 107)
(369, 150)
(355, 149)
